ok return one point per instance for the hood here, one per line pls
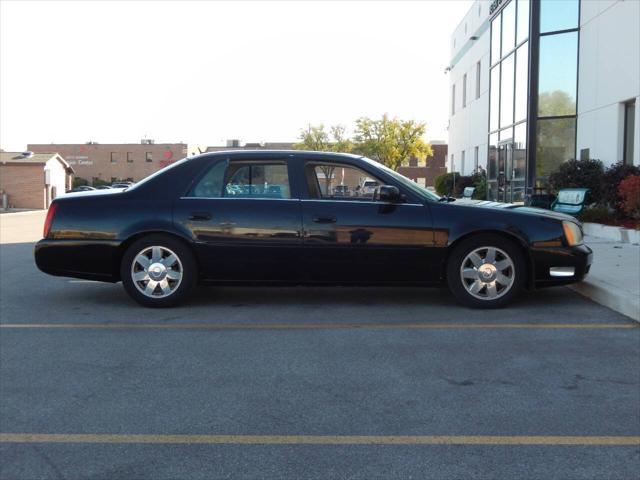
(540, 212)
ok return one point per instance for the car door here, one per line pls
(245, 219)
(351, 237)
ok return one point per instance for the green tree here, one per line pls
(391, 141)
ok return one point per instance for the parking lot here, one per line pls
(307, 382)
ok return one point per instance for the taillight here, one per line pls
(47, 222)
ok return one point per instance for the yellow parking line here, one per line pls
(319, 326)
(320, 439)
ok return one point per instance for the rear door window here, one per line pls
(259, 180)
(244, 180)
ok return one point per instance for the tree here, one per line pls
(317, 139)
(391, 141)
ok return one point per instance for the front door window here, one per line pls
(340, 182)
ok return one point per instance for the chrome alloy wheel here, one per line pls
(487, 273)
(156, 272)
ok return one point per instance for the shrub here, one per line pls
(597, 214)
(579, 174)
(98, 182)
(611, 181)
(444, 183)
(629, 193)
(480, 182)
(79, 182)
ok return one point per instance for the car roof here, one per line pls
(280, 153)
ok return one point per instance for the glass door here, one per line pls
(504, 170)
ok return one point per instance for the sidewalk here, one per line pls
(614, 278)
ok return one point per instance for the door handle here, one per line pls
(200, 216)
(324, 219)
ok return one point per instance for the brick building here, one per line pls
(116, 161)
(433, 166)
(236, 145)
(32, 180)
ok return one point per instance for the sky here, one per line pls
(202, 72)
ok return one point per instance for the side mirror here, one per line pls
(387, 193)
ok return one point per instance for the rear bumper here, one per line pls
(562, 265)
(90, 260)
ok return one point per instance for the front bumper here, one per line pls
(562, 265)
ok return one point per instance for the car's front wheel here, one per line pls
(158, 271)
(486, 271)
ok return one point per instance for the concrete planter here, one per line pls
(617, 234)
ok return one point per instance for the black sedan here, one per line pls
(278, 217)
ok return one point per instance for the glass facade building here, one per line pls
(532, 94)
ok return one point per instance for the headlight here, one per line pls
(572, 233)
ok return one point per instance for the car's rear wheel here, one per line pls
(486, 271)
(158, 271)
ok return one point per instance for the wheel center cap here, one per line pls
(487, 272)
(157, 271)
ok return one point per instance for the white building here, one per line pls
(535, 83)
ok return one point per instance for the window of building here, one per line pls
(508, 28)
(340, 182)
(555, 144)
(479, 9)
(556, 15)
(495, 38)
(148, 156)
(629, 130)
(453, 99)
(506, 91)
(558, 70)
(453, 163)
(494, 108)
(114, 157)
(522, 24)
(584, 154)
(520, 151)
(478, 69)
(557, 87)
(476, 158)
(129, 157)
(462, 159)
(522, 82)
(464, 90)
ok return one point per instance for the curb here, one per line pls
(617, 234)
(607, 295)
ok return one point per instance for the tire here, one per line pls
(479, 278)
(165, 278)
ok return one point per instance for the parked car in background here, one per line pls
(103, 187)
(262, 217)
(82, 188)
(342, 191)
(121, 184)
(368, 187)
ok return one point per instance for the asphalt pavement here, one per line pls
(309, 383)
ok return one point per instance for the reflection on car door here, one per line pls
(352, 238)
(246, 221)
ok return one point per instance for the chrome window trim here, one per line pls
(241, 198)
(360, 201)
(305, 200)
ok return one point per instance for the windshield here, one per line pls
(409, 184)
